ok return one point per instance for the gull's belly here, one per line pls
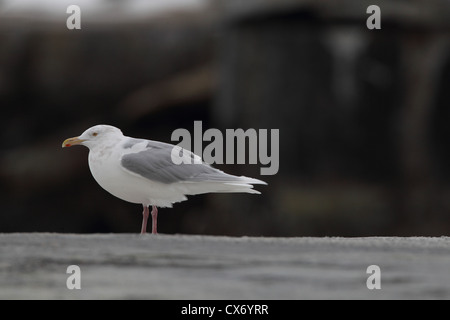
(130, 187)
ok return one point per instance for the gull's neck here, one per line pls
(105, 144)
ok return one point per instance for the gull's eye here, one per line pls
(94, 134)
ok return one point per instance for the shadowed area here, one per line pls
(362, 114)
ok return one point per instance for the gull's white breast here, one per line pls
(106, 168)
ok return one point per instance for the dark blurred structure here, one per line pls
(362, 113)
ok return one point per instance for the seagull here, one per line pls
(143, 171)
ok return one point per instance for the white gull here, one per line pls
(142, 171)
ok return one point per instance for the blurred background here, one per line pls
(363, 114)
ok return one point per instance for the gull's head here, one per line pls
(97, 135)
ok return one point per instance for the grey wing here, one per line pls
(155, 163)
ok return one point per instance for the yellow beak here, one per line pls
(72, 142)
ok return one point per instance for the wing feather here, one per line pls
(155, 163)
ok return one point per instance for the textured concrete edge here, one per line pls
(376, 240)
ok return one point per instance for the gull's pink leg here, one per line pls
(144, 219)
(154, 219)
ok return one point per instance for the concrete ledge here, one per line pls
(129, 266)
